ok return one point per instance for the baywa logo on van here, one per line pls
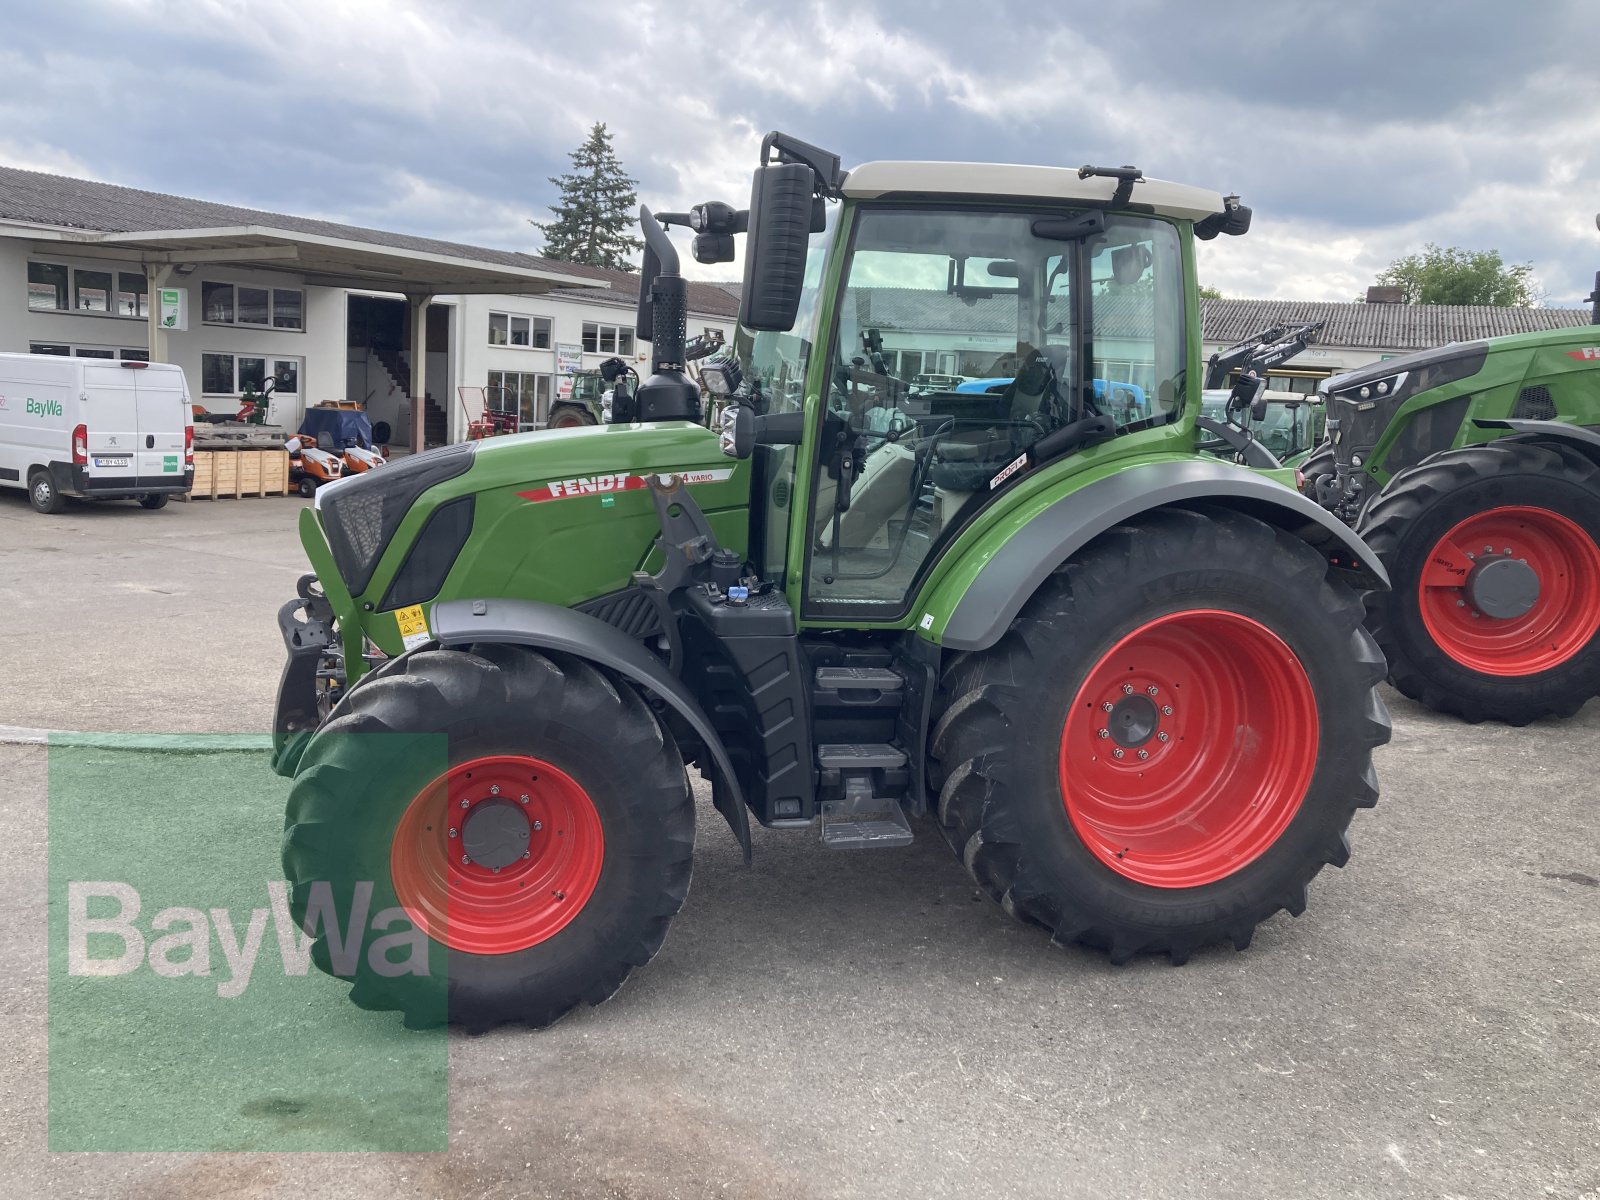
(44, 408)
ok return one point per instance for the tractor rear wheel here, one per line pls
(534, 852)
(570, 416)
(1170, 740)
(1494, 556)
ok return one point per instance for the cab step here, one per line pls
(861, 819)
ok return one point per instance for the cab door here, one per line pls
(163, 412)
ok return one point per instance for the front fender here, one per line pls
(983, 599)
(551, 627)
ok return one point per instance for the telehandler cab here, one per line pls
(1128, 682)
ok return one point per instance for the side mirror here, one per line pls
(775, 251)
(1249, 393)
(737, 435)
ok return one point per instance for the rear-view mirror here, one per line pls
(781, 216)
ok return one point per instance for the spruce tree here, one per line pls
(598, 206)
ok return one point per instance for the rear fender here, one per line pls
(551, 627)
(1000, 583)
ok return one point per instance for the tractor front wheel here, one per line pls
(518, 862)
(1494, 554)
(1169, 742)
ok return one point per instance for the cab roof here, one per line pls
(877, 180)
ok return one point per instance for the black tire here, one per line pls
(1406, 522)
(570, 416)
(1318, 465)
(361, 771)
(42, 494)
(159, 500)
(998, 743)
(380, 433)
(307, 486)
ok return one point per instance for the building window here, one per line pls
(229, 374)
(47, 286)
(91, 291)
(240, 304)
(132, 295)
(64, 350)
(520, 392)
(606, 339)
(508, 330)
(53, 287)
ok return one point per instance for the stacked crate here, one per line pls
(233, 474)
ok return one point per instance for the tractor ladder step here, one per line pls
(861, 820)
(858, 687)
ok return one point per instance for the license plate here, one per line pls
(111, 462)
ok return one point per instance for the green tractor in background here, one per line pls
(1129, 683)
(1473, 472)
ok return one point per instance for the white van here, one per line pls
(94, 429)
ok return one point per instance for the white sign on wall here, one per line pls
(174, 315)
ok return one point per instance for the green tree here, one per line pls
(1457, 276)
(1210, 293)
(598, 206)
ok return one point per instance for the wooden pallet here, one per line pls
(234, 474)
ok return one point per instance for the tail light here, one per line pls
(80, 445)
(188, 445)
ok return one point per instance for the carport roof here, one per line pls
(158, 227)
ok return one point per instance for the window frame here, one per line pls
(270, 322)
(621, 337)
(540, 331)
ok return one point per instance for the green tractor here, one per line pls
(1128, 683)
(1473, 472)
(585, 403)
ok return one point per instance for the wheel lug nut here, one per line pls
(494, 789)
(527, 854)
(1105, 733)
(1144, 754)
(522, 799)
(1161, 737)
(1105, 706)
(1461, 603)
(1166, 710)
(452, 833)
(1127, 689)
(465, 860)
(496, 870)
(1117, 754)
(537, 826)
(466, 803)
(1153, 690)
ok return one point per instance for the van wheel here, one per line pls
(42, 492)
(153, 502)
(308, 486)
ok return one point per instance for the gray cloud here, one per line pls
(1357, 130)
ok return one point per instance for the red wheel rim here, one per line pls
(1215, 743)
(1563, 619)
(543, 883)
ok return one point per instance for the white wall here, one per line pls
(319, 347)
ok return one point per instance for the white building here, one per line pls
(330, 311)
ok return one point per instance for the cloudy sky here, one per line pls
(1357, 131)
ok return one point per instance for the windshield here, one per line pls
(774, 367)
(961, 338)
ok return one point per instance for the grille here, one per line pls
(360, 516)
(1429, 431)
(630, 610)
(1535, 404)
